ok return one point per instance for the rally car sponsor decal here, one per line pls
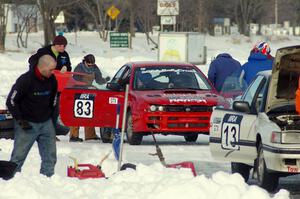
(113, 100)
(217, 120)
(84, 105)
(230, 132)
(179, 98)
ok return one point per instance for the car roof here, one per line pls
(157, 63)
(266, 73)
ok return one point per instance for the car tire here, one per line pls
(132, 137)
(128, 166)
(266, 179)
(7, 134)
(191, 138)
(242, 169)
(106, 134)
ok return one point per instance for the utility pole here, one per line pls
(276, 13)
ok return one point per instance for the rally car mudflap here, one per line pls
(90, 107)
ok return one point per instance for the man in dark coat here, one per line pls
(31, 101)
(220, 68)
(57, 51)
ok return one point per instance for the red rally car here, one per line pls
(164, 97)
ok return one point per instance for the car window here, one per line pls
(252, 90)
(259, 101)
(233, 86)
(126, 76)
(118, 75)
(169, 77)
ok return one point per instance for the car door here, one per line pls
(231, 130)
(88, 106)
(245, 150)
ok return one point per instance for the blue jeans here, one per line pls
(44, 134)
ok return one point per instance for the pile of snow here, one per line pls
(148, 181)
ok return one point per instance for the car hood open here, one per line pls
(284, 79)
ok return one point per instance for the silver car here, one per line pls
(262, 129)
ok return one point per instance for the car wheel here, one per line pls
(106, 134)
(132, 138)
(128, 166)
(242, 169)
(7, 134)
(191, 138)
(266, 179)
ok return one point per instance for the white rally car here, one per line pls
(262, 129)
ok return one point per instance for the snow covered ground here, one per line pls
(150, 180)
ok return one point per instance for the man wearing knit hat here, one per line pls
(57, 51)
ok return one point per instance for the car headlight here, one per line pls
(286, 137)
(161, 108)
(156, 108)
(152, 108)
(290, 137)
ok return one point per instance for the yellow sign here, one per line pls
(113, 12)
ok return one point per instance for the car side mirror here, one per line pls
(114, 86)
(241, 106)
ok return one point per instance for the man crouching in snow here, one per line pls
(31, 101)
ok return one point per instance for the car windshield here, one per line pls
(233, 87)
(169, 77)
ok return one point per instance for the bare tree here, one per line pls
(146, 18)
(3, 21)
(49, 11)
(96, 9)
(245, 11)
(27, 17)
(132, 7)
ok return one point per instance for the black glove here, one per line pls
(24, 124)
(107, 78)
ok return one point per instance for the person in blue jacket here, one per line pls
(220, 68)
(260, 59)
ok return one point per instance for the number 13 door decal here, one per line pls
(230, 134)
(84, 105)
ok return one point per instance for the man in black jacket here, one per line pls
(31, 101)
(57, 51)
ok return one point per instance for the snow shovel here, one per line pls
(189, 165)
(161, 158)
(7, 169)
(85, 171)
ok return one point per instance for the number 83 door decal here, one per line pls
(84, 105)
(230, 132)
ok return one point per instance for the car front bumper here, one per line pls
(175, 122)
(285, 160)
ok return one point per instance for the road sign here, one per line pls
(119, 40)
(113, 12)
(167, 20)
(167, 7)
